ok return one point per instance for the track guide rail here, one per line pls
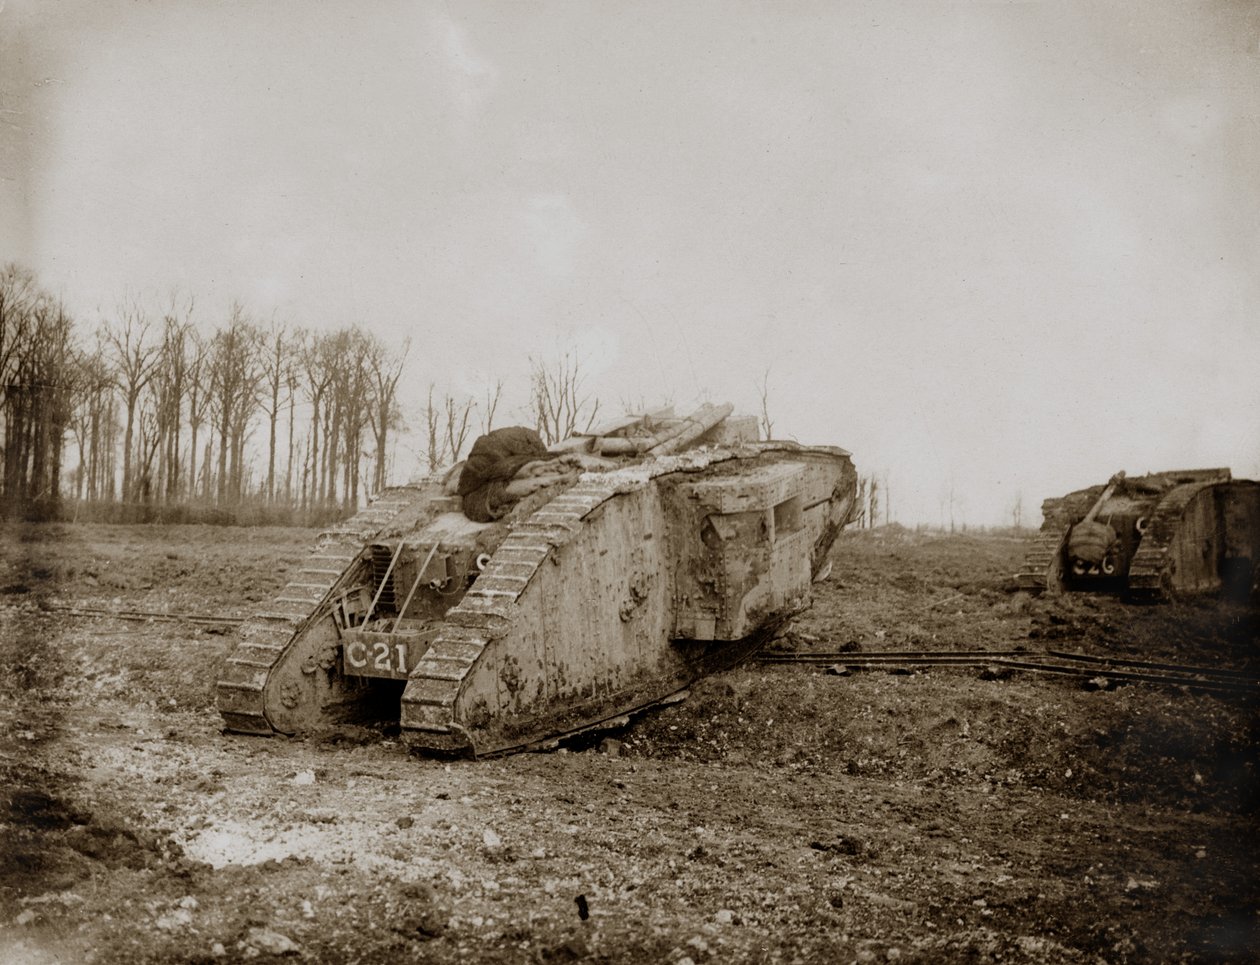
(146, 616)
(1222, 680)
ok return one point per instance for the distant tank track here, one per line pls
(1149, 576)
(1042, 558)
(266, 636)
(1211, 679)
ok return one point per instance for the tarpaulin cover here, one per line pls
(494, 460)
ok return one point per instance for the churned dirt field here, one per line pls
(779, 814)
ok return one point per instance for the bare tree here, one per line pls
(172, 389)
(198, 388)
(432, 433)
(357, 385)
(19, 294)
(91, 422)
(447, 426)
(870, 500)
(292, 381)
(37, 383)
(767, 426)
(149, 425)
(276, 365)
(557, 400)
(314, 355)
(1017, 511)
(385, 369)
(44, 390)
(457, 415)
(343, 357)
(235, 375)
(135, 357)
(951, 503)
(492, 404)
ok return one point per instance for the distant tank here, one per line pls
(1150, 537)
(683, 549)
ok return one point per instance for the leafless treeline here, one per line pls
(558, 407)
(153, 416)
(37, 387)
(872, 499)
(559, 404)
(158, 412)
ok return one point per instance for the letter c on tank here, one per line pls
(356, 653)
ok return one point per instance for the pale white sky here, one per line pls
(1015, 246)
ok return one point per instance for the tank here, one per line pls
(590, 600)
(1151, 537)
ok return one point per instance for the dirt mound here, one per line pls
(1128, 744)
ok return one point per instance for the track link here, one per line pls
(1040, 570)
(1041, 561)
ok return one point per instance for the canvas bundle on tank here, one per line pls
(494, 460)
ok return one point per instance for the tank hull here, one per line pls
(1172, 534)
(589, 604)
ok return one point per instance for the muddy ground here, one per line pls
(778, 814)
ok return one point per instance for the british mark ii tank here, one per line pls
(601, 578)
(1155, 536)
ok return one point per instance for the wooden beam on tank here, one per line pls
(697, 424)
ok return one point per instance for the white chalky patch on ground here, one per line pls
(233, 843)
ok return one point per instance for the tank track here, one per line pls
(485, 612)
(1034, 573)
(1149, 576)
(1045, 553)
(264, 637)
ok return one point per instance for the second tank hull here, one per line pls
(1181, 533)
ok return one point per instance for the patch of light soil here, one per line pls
(251, 843)
(33, 951)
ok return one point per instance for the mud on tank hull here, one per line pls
(586, 605)
(1170, 534)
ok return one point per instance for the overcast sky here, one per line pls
(1011, 246)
